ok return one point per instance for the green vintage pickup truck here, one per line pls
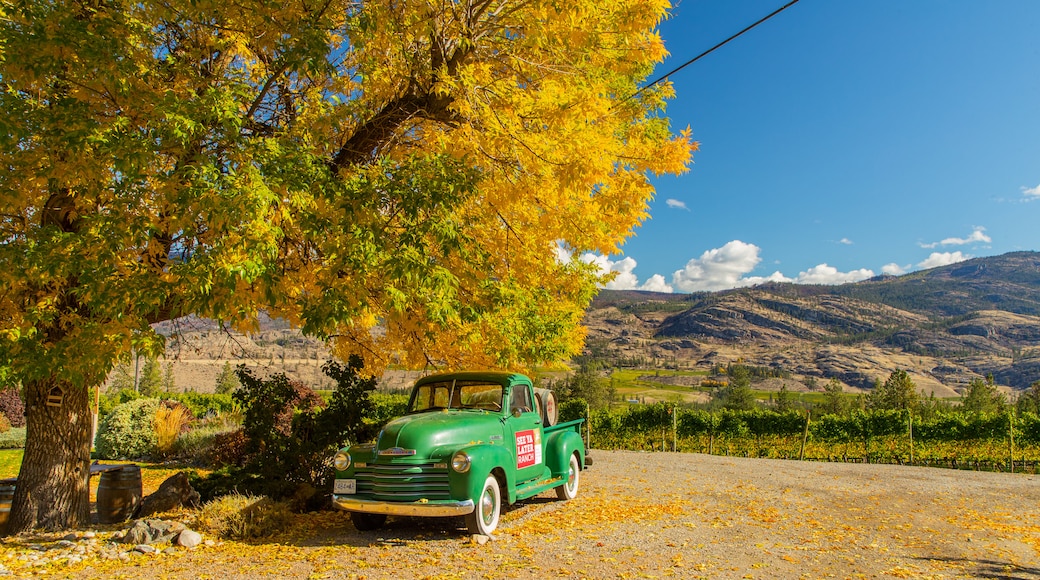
(468, 442)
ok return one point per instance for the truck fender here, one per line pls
(486, 459)
(559, 446)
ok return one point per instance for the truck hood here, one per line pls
(440, 432)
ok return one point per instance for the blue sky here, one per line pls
(842, 140)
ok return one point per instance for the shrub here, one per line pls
(205, 404)
(198, 442)
(228, 448)
(171, 420)
(13, 439)
(573, 409)
(11, 406)
(128, 430)
(291, 433)
(5, 425)
(110, 401)
(240, 517)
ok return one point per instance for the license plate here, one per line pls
(345, 486)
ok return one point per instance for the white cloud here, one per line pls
(1031, 192)
(937, 259)
(718, 269)
(624, 274)
(824, 274)
(977, 235)
(724, 268)
(676, 204)
(894, 269)
(656, 283)
(845, 241)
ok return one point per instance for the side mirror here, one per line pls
(516, 412)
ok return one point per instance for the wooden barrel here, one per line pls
(6, 499)
(119, 494)
(547, 406)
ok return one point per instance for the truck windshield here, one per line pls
(456, 395)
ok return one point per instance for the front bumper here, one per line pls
(431, 509)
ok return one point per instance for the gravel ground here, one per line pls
(653, 515)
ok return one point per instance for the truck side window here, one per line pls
(521, 399)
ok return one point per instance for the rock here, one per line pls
(189, 539)
(65, 544)
(70, 537)
(145, 549)
(151, 531)
(175, 492)
(479, 539)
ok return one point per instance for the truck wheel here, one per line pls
(569, 490)
(484, 518)
(367, 522)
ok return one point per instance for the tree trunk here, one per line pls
(53, 491)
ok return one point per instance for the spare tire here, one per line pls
(547, 404)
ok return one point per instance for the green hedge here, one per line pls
(856, 426)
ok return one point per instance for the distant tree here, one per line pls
(227, 381)
(1029, 400)
(151, 381)
(168, 382)
(810, 383)
(898, 392)
(834, 400)
(783, 399)
(983, 397)
(586, 383)
(737, 393)
(931, 406)
(122, 378)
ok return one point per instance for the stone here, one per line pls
(189, 539)
(479, 539)
(175, 492)
(145, 549)
(71, 537)
(151, 531)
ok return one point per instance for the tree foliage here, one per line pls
(290, 432)
(983, 397)
(737, 394)
(897, 392)
(227, 381)
(588, 385)
(341, 165)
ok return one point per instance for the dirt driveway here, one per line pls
(653, 515)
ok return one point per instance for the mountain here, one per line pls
(944, 326)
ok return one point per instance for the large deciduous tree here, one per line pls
(397, 177)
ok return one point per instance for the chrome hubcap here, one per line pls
(487, 506)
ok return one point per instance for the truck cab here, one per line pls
(469, 443)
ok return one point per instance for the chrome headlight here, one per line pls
(460, 461)
(341, 461)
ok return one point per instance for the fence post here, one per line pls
(911, 437)
(1011, 441)
(675, 428)
(805, 436)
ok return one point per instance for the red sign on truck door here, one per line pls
(528, 448)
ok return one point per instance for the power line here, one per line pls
(713, 49)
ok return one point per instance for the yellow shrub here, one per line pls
(169, 422)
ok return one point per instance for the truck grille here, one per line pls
(401, 482)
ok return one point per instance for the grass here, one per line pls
(10, 462)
